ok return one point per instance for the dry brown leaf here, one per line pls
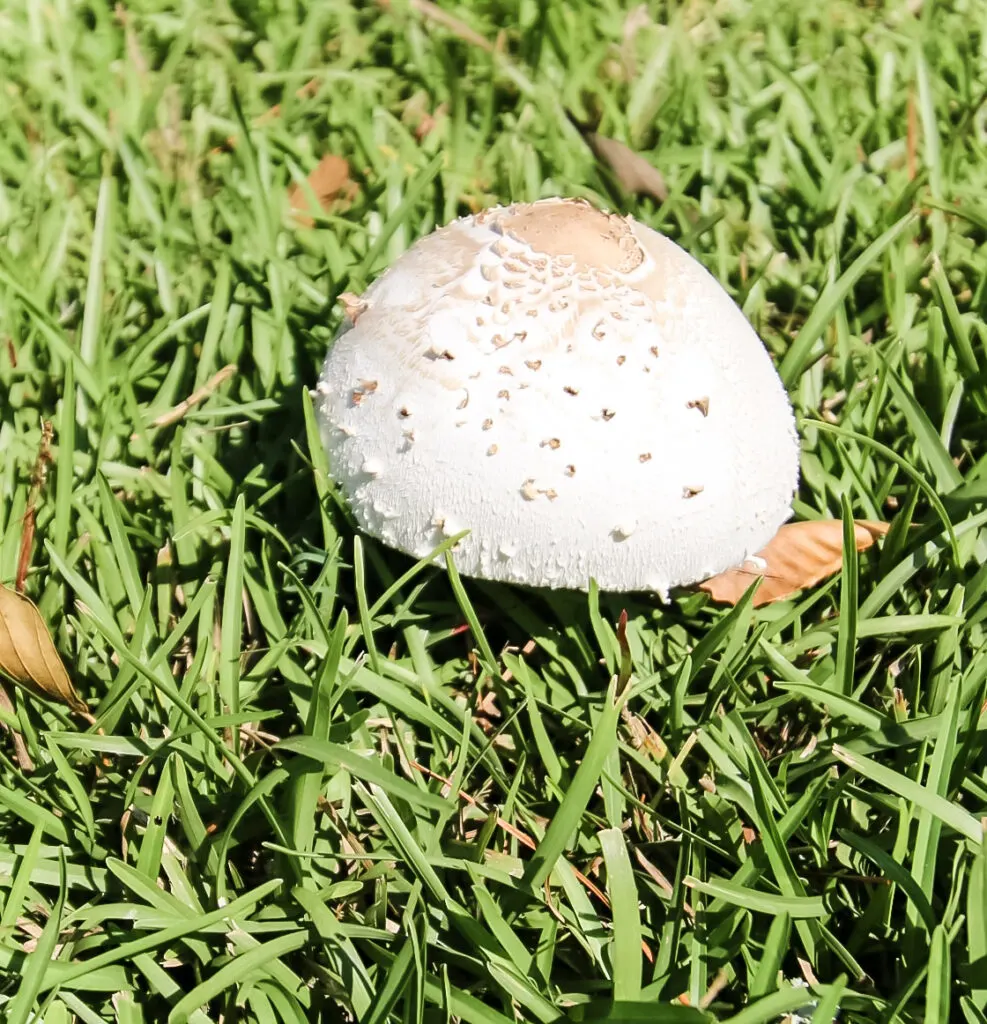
(329, 179)
(27, 652)
(798, 556)
(634, 174)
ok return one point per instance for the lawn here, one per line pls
(322, 783)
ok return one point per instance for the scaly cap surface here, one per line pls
(570, 386)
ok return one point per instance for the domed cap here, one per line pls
(572, 388)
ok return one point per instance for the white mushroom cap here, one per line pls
(571, 387)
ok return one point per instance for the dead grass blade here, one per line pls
(199, 395)
(39, 474)
(433, 12)
(21, 754)
(798, 556)
(27, 652)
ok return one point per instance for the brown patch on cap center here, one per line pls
(571, 227)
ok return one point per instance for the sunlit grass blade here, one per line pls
(947, 812)
(570, 811)
(846, 647)
(795, 906)
(938, 990)
(622, 890)
(772, 956)
(238, 970)
(36, 968)
(799, 354)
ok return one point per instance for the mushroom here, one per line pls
(573, 389)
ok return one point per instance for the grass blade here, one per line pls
(622, 890)
(765, 903)
(567, 818)
(37, 965)
(799, 355)
(948, 813)
(238, 971)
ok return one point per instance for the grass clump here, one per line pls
(321, 786)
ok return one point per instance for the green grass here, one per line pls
(263, 825)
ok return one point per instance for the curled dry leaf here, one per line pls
(798, 556)
(329, 180)
(632, 171)
(27, 652)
